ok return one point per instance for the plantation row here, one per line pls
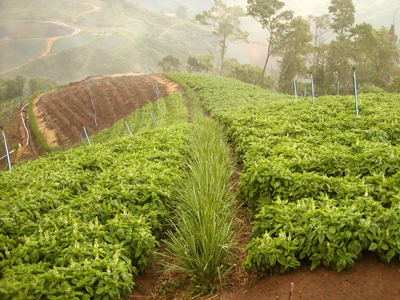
(168, 111)
(80, 224)
(323, 182)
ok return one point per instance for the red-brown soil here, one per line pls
(369, 279)
(114, 98)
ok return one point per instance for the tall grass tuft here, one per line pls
(202, 241)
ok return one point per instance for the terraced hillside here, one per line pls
(113, 98)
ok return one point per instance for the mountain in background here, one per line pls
(117, 36)
(113, 37)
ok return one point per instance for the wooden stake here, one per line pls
(291, 295)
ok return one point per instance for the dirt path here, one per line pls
(168, 29)
(50, 41)
(49, 135)
(47, 48)
(93, 9)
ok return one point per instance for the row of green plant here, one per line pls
(202, 238)
(80, 224)
(34, 127)
(322, 181)
(194, 102)
(168, 111)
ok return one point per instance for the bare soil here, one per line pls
(114, 97)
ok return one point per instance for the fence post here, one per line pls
(294, 86)
(273, 91)
(355, 89)
(86, 134)
(252, 86)
(127, 126)
(157, 91)
(305, 91)
(153, 116)
(312, 90)
(338, 87)
(81, 136)
(6, 147)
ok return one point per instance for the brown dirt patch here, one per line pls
(40, 117)
(114, 97)
(368, 279)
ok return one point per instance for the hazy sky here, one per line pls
(376, 12)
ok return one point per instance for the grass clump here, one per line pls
(203, 237)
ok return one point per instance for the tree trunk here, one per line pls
(265, 66)
(223, 50)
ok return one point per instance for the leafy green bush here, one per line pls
(322, 181)
(365, 89)
(80, 224)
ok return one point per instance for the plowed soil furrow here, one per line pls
(115, 97)
(59, 119)
(105, 110)
(135, 97)
(128, 95)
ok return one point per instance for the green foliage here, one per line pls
(322, 181)
(296, 51)
(170, 63)
(40, 83)
(246, 73)
(200, 63)
(182, 12)
(34, 127)
(394, 86)
(225, 21)
(276, 22)
(370, 89)
(343, 15)
(197, 109)
(12, 88)
(202, 241)
(80, 224)
(173, 111)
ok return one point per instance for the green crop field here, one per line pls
(323, 182)
(320, 182)
(90, 218)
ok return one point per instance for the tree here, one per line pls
(394, 86)
(375, 52)
(200, 63)
(343, 15)
(182, 12)
(20, 82)
(207, 62)
(246, 73)
(226, 24)
(322, 26)
(266, 13)
(40, 83)
(170, 63)
(296, 51)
